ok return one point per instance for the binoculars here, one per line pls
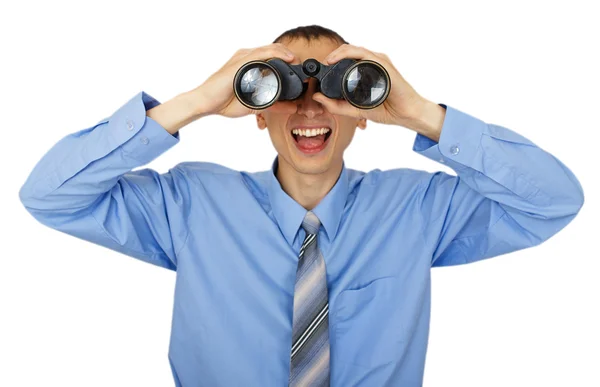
(363, 83)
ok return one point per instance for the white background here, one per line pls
(76, 314)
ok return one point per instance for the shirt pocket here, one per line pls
(367, 328)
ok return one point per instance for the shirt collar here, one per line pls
(290, 214)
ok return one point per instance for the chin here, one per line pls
(312, 165)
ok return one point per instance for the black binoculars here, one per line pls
(363, 83)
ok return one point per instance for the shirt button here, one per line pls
(454, 149)
(144, 140)
(129, 125)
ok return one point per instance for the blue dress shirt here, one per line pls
(233, 238)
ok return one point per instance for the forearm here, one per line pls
(178, 111)
(85, 164)
(504, 166)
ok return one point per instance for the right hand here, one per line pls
(216, 93)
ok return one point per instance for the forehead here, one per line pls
(315, 48)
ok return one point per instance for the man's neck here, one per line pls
(307, 189)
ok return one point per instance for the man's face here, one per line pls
(310, 114)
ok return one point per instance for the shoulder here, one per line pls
(207, 176)
(400, 184)
(398, 176)
(220, 178)
(205, 168)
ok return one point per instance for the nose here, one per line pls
(306, 105)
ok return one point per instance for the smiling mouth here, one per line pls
(325, 132)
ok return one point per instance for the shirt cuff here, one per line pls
(459, 142)
(138, 135)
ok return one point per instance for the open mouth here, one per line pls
(317, 134)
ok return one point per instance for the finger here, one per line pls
(242, 52)
(276, 50)
(383, 56)
(283, 107)
(348, 51)
(337, 106)
(238, 54)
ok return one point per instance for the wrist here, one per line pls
(177, 112)
(428, 119)
(196, 100)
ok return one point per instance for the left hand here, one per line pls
(402, 104)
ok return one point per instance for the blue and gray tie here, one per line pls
(310, 327)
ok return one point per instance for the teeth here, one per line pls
(310, 132)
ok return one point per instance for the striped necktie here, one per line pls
(309, 364)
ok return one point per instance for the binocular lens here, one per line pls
(257, 86)
(366, 85)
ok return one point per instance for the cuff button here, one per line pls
(144, 140)
(454, 149)
(129, 125)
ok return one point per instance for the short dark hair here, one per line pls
(309, 33)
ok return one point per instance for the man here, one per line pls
(309, 273)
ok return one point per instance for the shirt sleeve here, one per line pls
(84, 185)
(508, 193)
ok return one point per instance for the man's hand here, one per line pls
(217, 93)
(403, 106)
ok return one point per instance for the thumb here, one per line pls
(336, 106)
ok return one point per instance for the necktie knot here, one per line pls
(311, 223)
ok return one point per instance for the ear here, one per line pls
(362, 123)
(260, 121)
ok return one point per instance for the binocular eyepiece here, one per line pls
(311, 67)
(363, 83)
